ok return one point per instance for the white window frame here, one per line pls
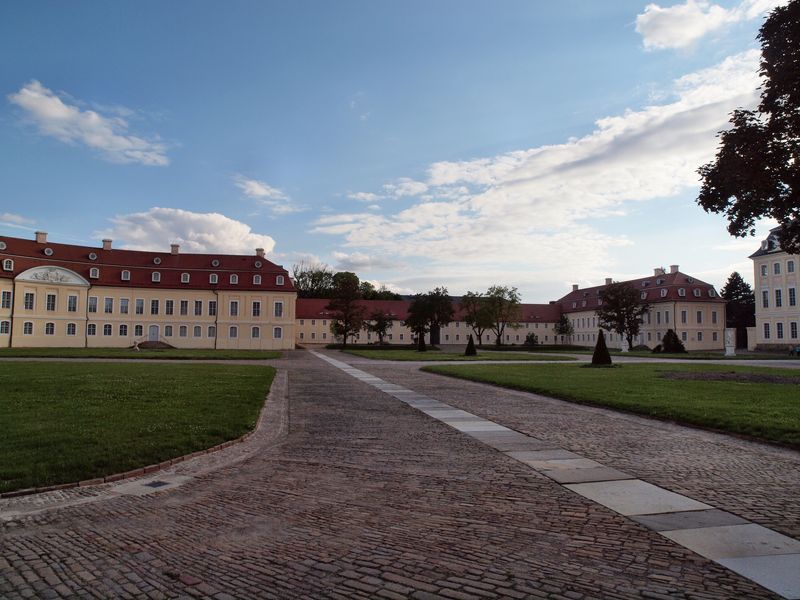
(125, 275)
(277, 333)
(234, 279)
(8, 265)
(185, 277)
(155, 277)
(72, 329)
(94, 273)
(279, 280)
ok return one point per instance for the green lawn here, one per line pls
(432, 355)
(695, 355)
(762, 409)
(64, 422)
(174, 353)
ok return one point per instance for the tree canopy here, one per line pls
(347, 316)
(740, 309)
(504, 310)
(622, 310)
(312, 280)
(756, 172)
(477, 314)
(430, 312)
(379, 323)
(564, 327)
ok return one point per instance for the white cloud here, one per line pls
(364, 196)
(72, 125)
(278, 202)
(405, 187)
(12, 219)
(358, 261)
(680, 25)
(156, 228)
(529, 214)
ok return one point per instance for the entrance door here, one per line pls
(152, 333)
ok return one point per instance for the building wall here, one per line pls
(777, 303)
(42, 315)
(6, 292)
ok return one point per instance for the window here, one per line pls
(277, 332)
(183, 331)
(778, 298)
(325, 336)
(658, 318)
(682, 292)
(155, 277)
(72, 329)
(167, 330)
(256, 279)
(255, 332)
(279, 280)
(126, 276)
(793, 330)
(763, 270)
(72, 304)
(123, 330)
(92, 304)
(106, 329)
(50, 302)
(234, 309)
(278, 308)
(699, 317)
(776, 268)
(49, 328)
(696, 292)
(714, 317)
(643, 295)
(8, 265)
(666, 316)
(29, 300)
(256, 308)
(234, 279)
(139, 306)
(138, 330)
(91, 329)
(792, 297)
(683, 336)
(27, 328)
(699, 336)
(154, 306)
(790, 266)
(779, 330)
(212, 308)
(683, 317)
(6, 300)
(212, 331)
(108, 305)
(5, 327)
(184, 307)
(233, 331)
(714, 336)
(198, 308)
(94, 273)
(766, 331)
(184, 278)
(123, 306)
(213, 278)
(197, 331)
(169, 307)
(765, 299)
(712, 293)
(664, 293)
(302, 336)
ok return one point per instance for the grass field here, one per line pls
(695, 355)
(759, 402)
(65, 422)
(125, 353)
(433, 355)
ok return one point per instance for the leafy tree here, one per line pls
(476, 313)
(430, 312)
(740, 307)
(370, 292)
(313, 281)
(470, 351)
(503, 308)
(601, 356)
(671, 344)
(347, 316)
(417, 320)
(531, 339)
(755, 173)
(564, 327)
(622, 310)
(379, 323)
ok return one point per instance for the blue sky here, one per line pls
(455, 143)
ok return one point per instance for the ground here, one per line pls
(348, 492)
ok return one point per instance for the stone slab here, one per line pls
(448, 413)
(541, 455)
(586, 475)
(139, 487)
(734, 541)
(476, 426)
(692, 519)
(565, 463)
(778, 573)
(635, 497)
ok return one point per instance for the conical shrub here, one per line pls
(601, 355)
(672, 344)
(471, 351)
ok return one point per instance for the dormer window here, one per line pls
(48, 252)
(234, 279)
(711, 293)
(92, 256)
(126, 276)
(574, 305)
(659, 281)
(8, 265)
(644, 296)
(155, 277)
(696, 293)
(213, 278)
(690, 280)
(184, 278)
(256, 279)
(94, 273)
(157, 260)
(279, 280)
(664, 293)
(682, 292)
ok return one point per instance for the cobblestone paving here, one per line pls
(365, 498)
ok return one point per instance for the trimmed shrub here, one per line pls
(601, 355)
(658, 349)
(471, 351)
(672, 344)
(641, 348)
(531, 340)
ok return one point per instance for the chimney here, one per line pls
(658, 271)
(174, 248)
(574, 287)
(260, 252)
(106, 244)
(41, 237)
(608, 280)
(673, 268)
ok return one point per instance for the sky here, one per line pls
(454, 143)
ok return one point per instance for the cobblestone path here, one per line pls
(367, 498)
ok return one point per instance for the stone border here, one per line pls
(155, 467)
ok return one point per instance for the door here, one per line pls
(152, 333)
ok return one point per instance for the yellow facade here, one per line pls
(776, 293)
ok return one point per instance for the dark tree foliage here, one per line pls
(740, 309)
(347, 315)
(430, 312)
(470, 351)
(504, 310)
(370, 292)
(312, 281)
(756, 172)
(379, 323)
(418, 320)
(671, 343)
(622, 310)
(601, 355)
(564, 327)
(477, 314)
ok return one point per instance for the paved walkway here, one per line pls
(365, 496)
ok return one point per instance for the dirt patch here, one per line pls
(729, 376)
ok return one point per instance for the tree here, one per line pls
(600, 356)
(370, 292)
(503, 308)
(379, 323)
(740, 307)
(476, 313)
(470, 351)
(347, 316)
(564, 327)
(755, 173)
(622, 310)
(430, 312)
(671, 344)
(417, 320)
(313, 281)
